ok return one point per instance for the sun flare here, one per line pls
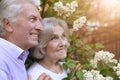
(110, 3)
(110, 8)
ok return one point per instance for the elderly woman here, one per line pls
(53, 44)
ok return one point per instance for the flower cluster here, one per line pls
(117, 69)
(66, 10)
(103, 56)
(94, 75)
(77, 24)
(103, 67)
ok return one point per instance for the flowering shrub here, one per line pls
(102, 66)
(87, 64)
(83, 60)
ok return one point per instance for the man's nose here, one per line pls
(39, 26)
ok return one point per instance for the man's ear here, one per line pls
(7, 25)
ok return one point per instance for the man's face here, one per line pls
(27, 27)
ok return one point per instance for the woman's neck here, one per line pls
(53, 66)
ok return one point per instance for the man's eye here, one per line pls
(64, 35)
(33, 19)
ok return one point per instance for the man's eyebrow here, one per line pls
(35, 16)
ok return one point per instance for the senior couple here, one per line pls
(21, 28)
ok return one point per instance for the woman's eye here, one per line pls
(54, 38)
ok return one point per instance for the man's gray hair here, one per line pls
(9, 9)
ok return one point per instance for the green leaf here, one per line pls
(79, 75)
(78, 42)
(71, 63)
(68, 77)
(86, 65)
(88, 47)
(99, 45)
(71, 48)
(65, 66)
(28, 63)
(111, 64)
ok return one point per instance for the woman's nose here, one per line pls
(62, 42)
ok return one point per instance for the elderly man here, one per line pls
(19, 28)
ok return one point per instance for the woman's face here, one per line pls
(57, 46)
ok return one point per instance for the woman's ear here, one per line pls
(7, 25)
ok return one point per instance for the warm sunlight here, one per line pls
(110, 3)
(110, 7)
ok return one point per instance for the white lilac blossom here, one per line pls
(72, 6)
(59, 8)
(93, 63)
(94, 75)
(67, 10)
(117, 69)
(105, 56)
(79, 23)
(108, 78)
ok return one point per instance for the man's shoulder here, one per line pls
(3, 58)
(3, 63)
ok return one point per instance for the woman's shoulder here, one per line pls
(35, 67)
(34, 71)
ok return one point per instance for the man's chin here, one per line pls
(33, 44)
